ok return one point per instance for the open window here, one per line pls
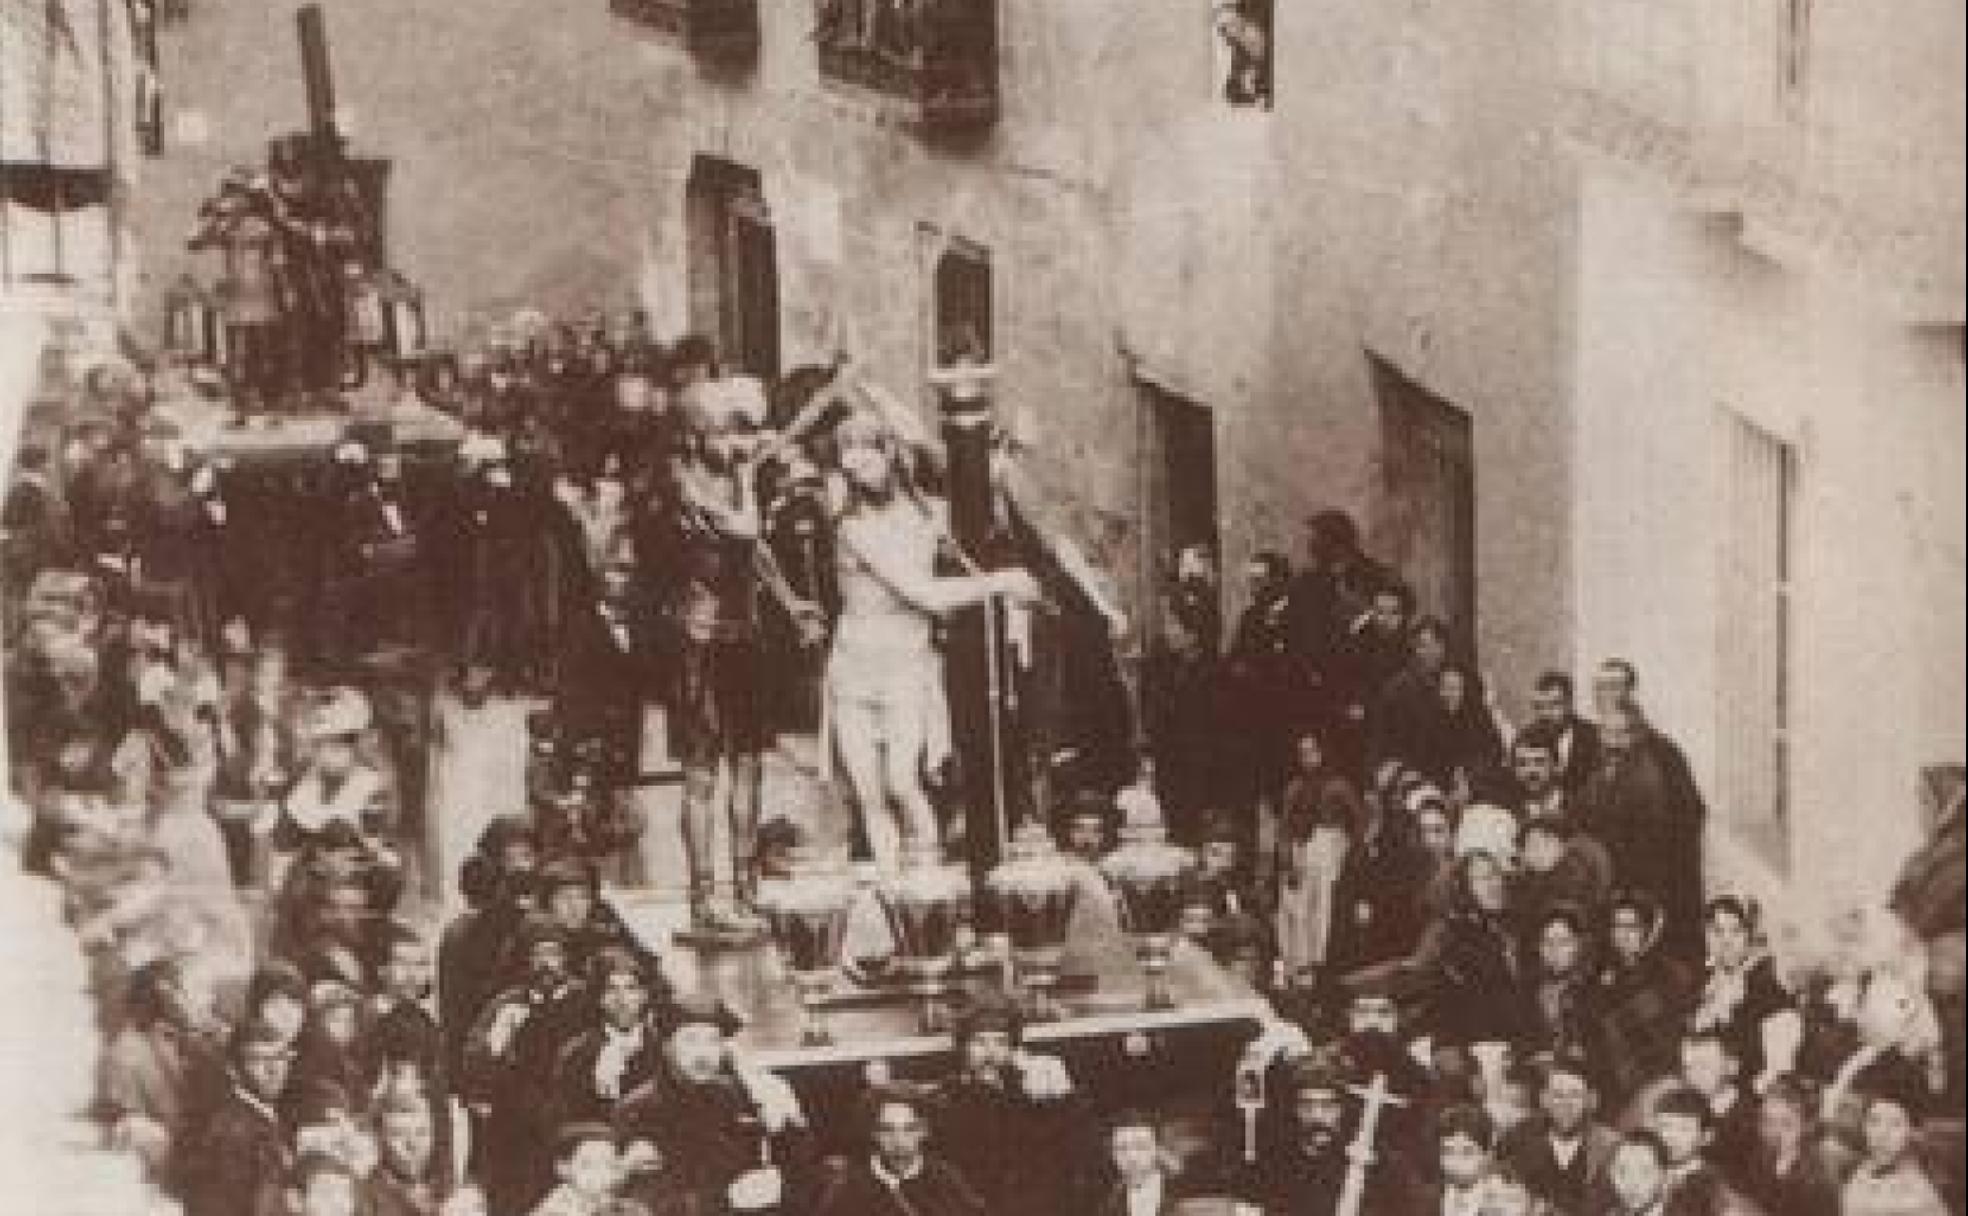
(1244, 51)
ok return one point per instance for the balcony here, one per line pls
(720, 30)
(938, 56)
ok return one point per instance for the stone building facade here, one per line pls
(1768, 409)
(1571, 304)
(1209, 319)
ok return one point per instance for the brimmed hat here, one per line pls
(1322, 1070)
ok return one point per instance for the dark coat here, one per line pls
(939, 1190)
(1764, 996)
(575, 1096)
(236, 1163)
(470, 959)
(1580, 755)
(1702, 1193)
(1808, 1189)
(1293, 1178)
(1378, 910)
(1528, 1150)
(385, 1195)
(604, 684)
(513, 1143)
(1641, 1010)
(1181, 707)
(706, 1136)
(1265, 693)
(1644, 807)
(1020, 1153)
(409, 1031)
(1475, 977)
(1109, 1198)
(1324, 605)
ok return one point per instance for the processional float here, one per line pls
(1007, 909)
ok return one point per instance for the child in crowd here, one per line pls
(1890, 1179)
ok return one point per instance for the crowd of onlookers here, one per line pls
(1499, 982)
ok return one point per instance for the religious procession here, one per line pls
(573, 767)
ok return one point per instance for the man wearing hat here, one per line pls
(707, 1137)
(509, 1063)
(569, 890)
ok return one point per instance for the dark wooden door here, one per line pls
(1424, 522)
(1178, 486)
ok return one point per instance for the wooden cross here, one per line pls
(1375, 1097)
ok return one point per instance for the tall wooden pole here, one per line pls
(976, 670)
(316, 74)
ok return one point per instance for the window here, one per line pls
(1244, 58)
(733, 265)
(963, 304)
(147, 100)
(1753, 645)
(942, 55)
(1794, 53)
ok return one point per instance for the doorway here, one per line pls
(1424, 521)
(1178, 490)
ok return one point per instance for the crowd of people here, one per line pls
(1498, 981)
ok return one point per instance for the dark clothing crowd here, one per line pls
(1496, 980)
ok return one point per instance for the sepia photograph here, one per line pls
(983, 608)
